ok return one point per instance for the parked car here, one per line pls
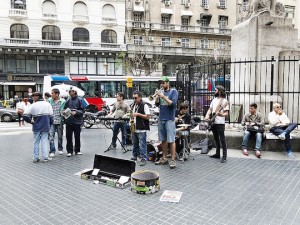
(8, 114)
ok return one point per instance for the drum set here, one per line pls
(184, 136)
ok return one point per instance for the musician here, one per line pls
(141, 115)
(167, 100)
(119, 109)
(181, 117)
(220, 107)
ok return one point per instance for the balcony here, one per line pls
(109, 21)
(49, 17)
(16, 41)
(80, 19)
(18, 14)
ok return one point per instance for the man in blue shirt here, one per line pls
(167, 100)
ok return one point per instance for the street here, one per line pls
(242, 191)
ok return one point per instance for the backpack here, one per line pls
(205, 145)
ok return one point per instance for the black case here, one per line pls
(110, 171)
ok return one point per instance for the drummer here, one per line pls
(181, 117)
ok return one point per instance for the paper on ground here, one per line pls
(170, 196)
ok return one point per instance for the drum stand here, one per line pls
(185, 149)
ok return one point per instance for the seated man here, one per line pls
(281, 126)
(254, 125)
(181, 117)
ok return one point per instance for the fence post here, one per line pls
(272, 83)
(190, 87)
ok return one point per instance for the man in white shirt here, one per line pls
(219, 106)
(282, 127)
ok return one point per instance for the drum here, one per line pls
(184, 133)
(145, 182)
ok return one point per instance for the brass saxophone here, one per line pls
(131, 122)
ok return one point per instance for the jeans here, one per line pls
(70, 129)
(258, 140)
(59, 128)
(287, 129)
(139, 145)
(166, 130)
(219, 136)
(40, 137)
(116, 128)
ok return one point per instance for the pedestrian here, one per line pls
(73, 122)
(58, 105)
(253, 123)
(167, 98)
(281, 126)
(141, 115)
(20, 107)
(119, 109)
(219, 108)
(47, 95)
(39, 114)
(16, 100)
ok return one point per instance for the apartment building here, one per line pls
(172, 32)
(71, 37)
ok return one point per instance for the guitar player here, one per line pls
(220, 107)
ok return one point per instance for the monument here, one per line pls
(266, 43)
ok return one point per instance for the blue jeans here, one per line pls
(287, 129)
(139, 145)
(258, 140)
(40, 137)
(116, 128)
(166, 130)
(59, 128)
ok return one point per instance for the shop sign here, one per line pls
(19, 78)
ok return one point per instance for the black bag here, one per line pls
(205, 145)
(255, 129)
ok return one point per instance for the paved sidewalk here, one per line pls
(244, 190)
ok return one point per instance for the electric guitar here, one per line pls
(213, 116)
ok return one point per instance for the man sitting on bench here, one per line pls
(282, 127)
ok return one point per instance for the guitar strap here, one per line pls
(219, 105)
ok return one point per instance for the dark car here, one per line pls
(7, 114)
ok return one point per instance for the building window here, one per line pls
(204, 43)
(81, 34)
(49, 8)
(21, 64)
(51, 64)
(51, 33)
(185, 1)
(19, 31)
(185, 42)
(80, 9)
(137, 18)
(245, 5)
(204, 23)
(184, 23)
(222, 22)
(83, 65)
(204, 3)
(165, 20)
(137, 40)
(109, 12)
(166, 41)
(222, 4)
(290, 11)
(1, 64)
(108, 36)
(18, 4)
(222, 44)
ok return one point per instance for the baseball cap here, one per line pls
(164, 78)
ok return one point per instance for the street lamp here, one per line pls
(105, 65)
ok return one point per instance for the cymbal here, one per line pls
(184, 125)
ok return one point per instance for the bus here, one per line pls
(104, 88)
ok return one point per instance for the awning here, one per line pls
(185, 13)
(138, 8)
(19, 83)
(205, 16)
(165, 11)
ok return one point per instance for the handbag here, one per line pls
(255, 129)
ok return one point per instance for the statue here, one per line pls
(266, 6)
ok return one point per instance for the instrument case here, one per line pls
(111, 171)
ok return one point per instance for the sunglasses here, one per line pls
(135, 98)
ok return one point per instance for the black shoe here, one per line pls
(215, 156)
(224, 160)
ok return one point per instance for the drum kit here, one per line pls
(184, 134)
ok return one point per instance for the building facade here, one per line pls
(71, 37)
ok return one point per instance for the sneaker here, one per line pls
(143, 162)
(69, 155)
(162, 161)
(245, 152)
(282, 136)
(78, 153)
(60, 152)
(257, 153)
(133, 158)
(36, 160)
(290, 155)
(111, 147)
(172, 164)
(215, 156)
(46, 160)
(52, 155)
(224, 160)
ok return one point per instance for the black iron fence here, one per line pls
(264, 82)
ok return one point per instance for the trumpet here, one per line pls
(152, 97)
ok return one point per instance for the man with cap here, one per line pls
(73, 122)
(219, 107)
(167, 100)
(39, 114)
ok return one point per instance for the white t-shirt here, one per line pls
(214, 104)
(147, 112)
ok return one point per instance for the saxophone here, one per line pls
(131, 122)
